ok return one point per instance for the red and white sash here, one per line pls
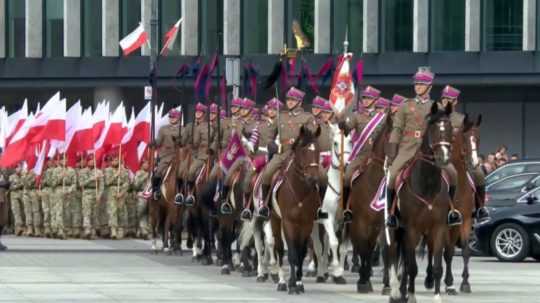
(361, 140)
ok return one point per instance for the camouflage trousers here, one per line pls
(89, 207)
(17, 208)
(45, 196)
(58, 203)
(73, 211)
(131, 208)
(32, 209)
(142, 216)
(116, 209)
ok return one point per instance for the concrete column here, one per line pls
(322, 18)
(473, 25)
(3, 22)
(34, 28)
(421, 26)
(72, 28)
(231, 27)
(112, 94)
(529, 25)
(276, 23)
(110, 29)
(190, 28)
(371, 26)
(146, 16)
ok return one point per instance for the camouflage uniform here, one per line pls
(131, 208)
(116, 188)
(139, 184)
(15, 195)
(91, 190)
(31, 203)
(74, 209)
(45, 193)
(66, 185)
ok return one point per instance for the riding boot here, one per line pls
(347, 213)
(320, 213)
(391, 221)
(179, 198)
(481, 213)
(226, 207)
(190, 199)
(454, 216)
(156, 188)
(264, 211)
(2, 246)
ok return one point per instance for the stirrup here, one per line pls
(482, 214)
(392, 221)
(347, 216)
(189, 201)
(246, 214)
(454, 218)
(264, 212)
(179, 199)
(226, 208)
(156, 195)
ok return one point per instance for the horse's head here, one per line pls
(471, 137)
(438, 136)
(306, 155)
(336, 144)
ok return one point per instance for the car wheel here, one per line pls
(510, 243)
(537, 258)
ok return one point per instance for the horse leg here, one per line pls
(292, 254)
(355, 261)
(341, 267)
(280, 250)
(386, 270)
(225, 250)
(438, 240)
(466, 252)
(318, 251)
(428, 282)
(364, 285)
(208, 241)
(302, 252)
(449, 277)
(262, 269)
(337, 271)
(165, 235)
(411, 265)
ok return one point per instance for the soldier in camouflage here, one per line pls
(15, 196)
(45, 194)
(117, 186)
(139, 186)
(75, 205)
(91, 183)
(29, 199)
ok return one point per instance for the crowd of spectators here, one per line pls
(497, 159)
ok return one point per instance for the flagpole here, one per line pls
(95, 177)
(119, 167)
(152, 77)
(342, 134)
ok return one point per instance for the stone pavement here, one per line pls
(44, 270)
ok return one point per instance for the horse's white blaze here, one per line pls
(311, 147)
(441, 126)
(446, 153)
(474, 152)
(394, 283)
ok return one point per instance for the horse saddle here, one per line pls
(405, 174)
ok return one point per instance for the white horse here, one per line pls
(330, 205)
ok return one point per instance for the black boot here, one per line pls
(264, 211)
(179, 198)
(452, 192)
(320, 213)
(226, 207)
(392, 221)
(190, 199)
(156, 188)
(2, 246)
(347, 213)
(481, 213)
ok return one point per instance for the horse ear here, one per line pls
(479, 120)
(448, 110)
(467, 124)
(434, 109)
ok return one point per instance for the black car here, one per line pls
(513, 231)
(514, 168)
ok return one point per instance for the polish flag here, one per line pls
(16, 150)
(16, 120)
(129, 128)
(73, 116)
(4, 125)
(83, 137)
(100, 119)
(170, 37)
(50, 123)
(40, 163)
(129, 144)
(134, 40)
(117, 127)
(141, 130)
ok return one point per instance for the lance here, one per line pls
(342, 134)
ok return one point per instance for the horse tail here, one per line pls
(247, 233)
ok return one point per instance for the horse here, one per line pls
(464, 155)
(164, 214)
(294, 208)
(368, 221)
(330, 205)
(4, 205)
(424, 203)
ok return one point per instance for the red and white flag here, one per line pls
(16, 120)
(170, 37)
(16, 150)
(141, 130)
(4, 125)
(134, 40)
(100, 119)
(342, 92)
(50, 122)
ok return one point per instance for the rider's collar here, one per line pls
(295, 111)
(422, 101)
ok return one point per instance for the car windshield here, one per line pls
(511, 182)
(505, 171)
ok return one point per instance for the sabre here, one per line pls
(387, 179)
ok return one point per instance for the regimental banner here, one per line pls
(234, 152)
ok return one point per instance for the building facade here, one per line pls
(487, 48)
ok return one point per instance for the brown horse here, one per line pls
(424, 204)
(368, 223)
(4, 205)
(464, 156)
(165, 215)
(294, 208)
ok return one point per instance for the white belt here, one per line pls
(263, 149)
(326, 153)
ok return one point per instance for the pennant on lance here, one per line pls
(233, 152)
(342, 92)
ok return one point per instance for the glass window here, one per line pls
(91, 28)
(170, 13)
(254, 26)
(503, 26)
(505, 171)
(54, 28)
(349, 15)
(447, 25)
(15, 28)
(397, 25)
(211, 12)
(130, 16)
(302, 11)
(511, 182)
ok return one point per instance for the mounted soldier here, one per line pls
(450, 95)
(406, 138)
(323, 113)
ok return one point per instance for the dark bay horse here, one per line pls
(424, 204)
(164, 215)
(294, 208)
(464, 156)
(367, 223)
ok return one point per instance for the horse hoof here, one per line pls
(386, 291)
(465, 288)
(252, 273)
(339, 280)
(300, 288)
(293, 290)
(275, 278)
(451, 291)
(225, 271)
(398, 300)
(311, 274)
(262, 279)
(321, 280)
(219, 262)
(282, 287)
(364, 288)
(428, 283)
(355, 268)
(207, 261)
